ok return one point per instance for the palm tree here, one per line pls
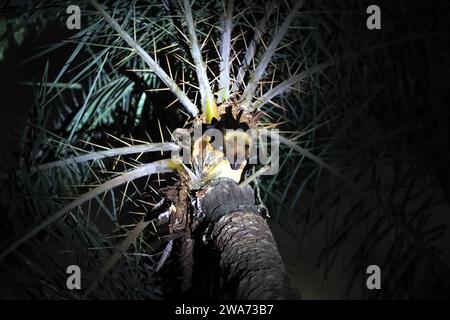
(256, 266)
(98, 185)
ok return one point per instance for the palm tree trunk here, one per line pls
(249, 257)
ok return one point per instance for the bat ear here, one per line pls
(238, 118)
(214, 121)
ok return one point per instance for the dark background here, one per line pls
(406, 125)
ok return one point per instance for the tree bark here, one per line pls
(249, 257)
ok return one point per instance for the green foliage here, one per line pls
(105, 96)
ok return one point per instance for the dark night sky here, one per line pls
(428, 106)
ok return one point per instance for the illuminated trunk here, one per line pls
(249, 257)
